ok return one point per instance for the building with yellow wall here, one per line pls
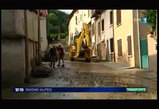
(123, 27)
(128, 32)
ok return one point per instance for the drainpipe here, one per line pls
(26, 79)
(95, 36)
(39, 41)
(138, 35)
(156, 24)
(113, 37)
(100, 36)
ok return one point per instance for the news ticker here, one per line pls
(79, 89)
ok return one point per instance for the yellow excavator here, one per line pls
(81, 47)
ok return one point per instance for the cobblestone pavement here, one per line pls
(82, 74)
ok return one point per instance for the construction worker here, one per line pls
(61, 55)
(53, 56)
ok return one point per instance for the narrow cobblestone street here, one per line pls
(82, 74)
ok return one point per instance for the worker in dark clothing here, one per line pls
(53, 56)
(61, 55)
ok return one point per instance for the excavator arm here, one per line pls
(80, 39)
(74, 51)
(79, 43)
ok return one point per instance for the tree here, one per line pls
(56, 25)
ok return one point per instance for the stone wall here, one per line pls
(13, 62)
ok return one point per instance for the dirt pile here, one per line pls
(41, 71)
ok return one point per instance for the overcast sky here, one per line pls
(68, 11)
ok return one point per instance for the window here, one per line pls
(111, 17)
(76, 20)
(99, 28)
(93, 29)
(118, 13)
(119, 47)
(112, 44)
(103, 25)
(129, 45)
(71, 40)
(88, 13)
(81, 17)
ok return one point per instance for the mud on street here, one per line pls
(34, 44)
(82, 74)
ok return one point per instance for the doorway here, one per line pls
(144, 53)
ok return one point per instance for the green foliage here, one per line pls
(63, 35)
(151, 18)
(56, 25)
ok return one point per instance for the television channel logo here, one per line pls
(144, 20)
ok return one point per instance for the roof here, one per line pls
(43, 12)
(96, 13)
(70, 16)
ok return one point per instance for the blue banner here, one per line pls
(78, 89)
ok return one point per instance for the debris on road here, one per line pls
(41, 71)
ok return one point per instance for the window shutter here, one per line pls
(103, 25)
(119, 47)
(119, 16)
(111, 17)
(112, 45)
(129, 46)
(118, 12)
(93, 29)
(99, 28)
